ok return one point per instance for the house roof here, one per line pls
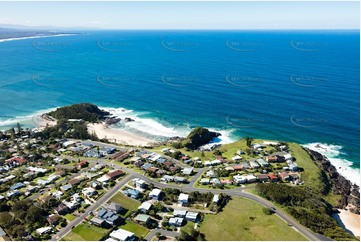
(114, 174)
(145, 206)
(155, 192)
(183, 196)
(142, 217)
(121, 234)
(97, 220)
(114, 206)
(179, 212)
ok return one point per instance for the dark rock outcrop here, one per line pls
(198, 137)
(112, 120)
(349, 192)
(128, 119)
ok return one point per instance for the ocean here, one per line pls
(299, 86)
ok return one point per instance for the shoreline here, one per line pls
(117, 135)
(33, 37)
(348, 221)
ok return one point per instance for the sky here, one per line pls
(184, 15)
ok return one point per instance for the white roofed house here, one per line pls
(238, 179)
(293, 167)
(251, 178)
(192, 216)
(122, 235)
(215, 198)
(254, 164)
(187, 170)
(236, 158)
(145, 207)
(177, 221)
(179, 213)
(183, 199)
(155, 194)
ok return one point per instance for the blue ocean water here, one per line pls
(300, 86)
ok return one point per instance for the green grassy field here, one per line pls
(244, 219)
(85, 232)
(188, 227)
(137, 229)
(70, 217)
(126, 202)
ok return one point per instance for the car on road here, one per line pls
(72, 227)
(90, 212)
(273, 208)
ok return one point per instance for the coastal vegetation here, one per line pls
(307, 206)
(85, 111)
(197, 137)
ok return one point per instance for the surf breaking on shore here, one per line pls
(343, 166)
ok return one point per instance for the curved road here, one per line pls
(189, 188)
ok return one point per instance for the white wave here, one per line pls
(155, 127)
(225, 137)
(342, 165)
(142, 124)
(34, 37)
(27, 120)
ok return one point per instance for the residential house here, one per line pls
(251, 178)
(187, 170)
(43, 230)
(215, 198)
(204, 181)
(273, 177)
(262, 177)
(61, 209)
(133, 193)
(254, 164)
(293, 167)
(192, 216)
(53, 219)
(17, 186)
(271, 158)
(66, 187)
(284, 176)
(179, 213)
(143, 218)
(122, 235)
(114, 207)
(114, 174)
(238, 179)
(155, 194)
(237, 158)
(89, 191)
(245, 165)
(177, 222)
(97, 221)
(179, 179)
(210, 173)
(215, 162)
(262, 162)
(139, 183)
(183, 199)
(144, 207)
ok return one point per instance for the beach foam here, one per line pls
(34, 37)
(343, 166)
(29, 121)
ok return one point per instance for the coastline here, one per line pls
(349, 221)
(33, 37)
(117, 135)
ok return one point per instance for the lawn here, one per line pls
(126, 202)
(86, 232)
(70, 217)
(188, 227)
(137, 229)
(243, 219)
(311, 173)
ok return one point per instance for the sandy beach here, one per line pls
(349, 220)
(117, 135)
(43, 120)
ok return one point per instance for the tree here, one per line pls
(249, 141)
(18, 128)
